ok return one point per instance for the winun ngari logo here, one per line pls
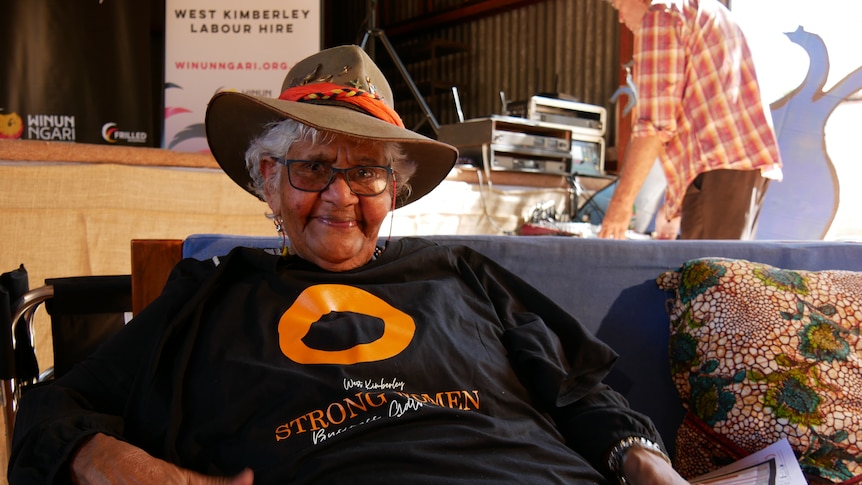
(111, 134)
(51, 127)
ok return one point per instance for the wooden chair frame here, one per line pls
(152, 262)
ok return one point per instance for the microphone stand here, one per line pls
(374, 31)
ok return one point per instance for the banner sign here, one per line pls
(215, 45)
(77, 71)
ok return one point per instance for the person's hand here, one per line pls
(644, 467)
(616, 221)
(106, 460)
(666, 229)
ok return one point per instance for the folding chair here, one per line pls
(84, 312)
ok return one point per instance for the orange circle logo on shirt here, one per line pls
(319, 300)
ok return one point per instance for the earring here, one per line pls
(279, 228)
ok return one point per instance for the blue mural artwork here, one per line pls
(803, 205)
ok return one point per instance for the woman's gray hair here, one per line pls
(281, 135)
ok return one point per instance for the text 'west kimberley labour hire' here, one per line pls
(232, 27)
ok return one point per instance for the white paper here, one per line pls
(774, 465)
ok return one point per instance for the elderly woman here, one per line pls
(339, 360)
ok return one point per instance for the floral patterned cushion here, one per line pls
(760, 353)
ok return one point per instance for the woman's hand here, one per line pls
(644, 467)
(106, 460)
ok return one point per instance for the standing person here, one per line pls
(700, 110)
(338, 359)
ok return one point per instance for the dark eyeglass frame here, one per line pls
(332, 171)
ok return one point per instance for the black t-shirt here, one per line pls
(429, 364)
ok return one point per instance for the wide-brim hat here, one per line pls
(341, 90)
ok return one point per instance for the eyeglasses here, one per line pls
(310, 176)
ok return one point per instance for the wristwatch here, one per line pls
(615, 457)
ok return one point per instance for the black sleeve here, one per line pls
(562, 365)
(54, 417)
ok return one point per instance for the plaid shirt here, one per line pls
(697, 91)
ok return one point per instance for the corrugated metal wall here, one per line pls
(565, 46)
